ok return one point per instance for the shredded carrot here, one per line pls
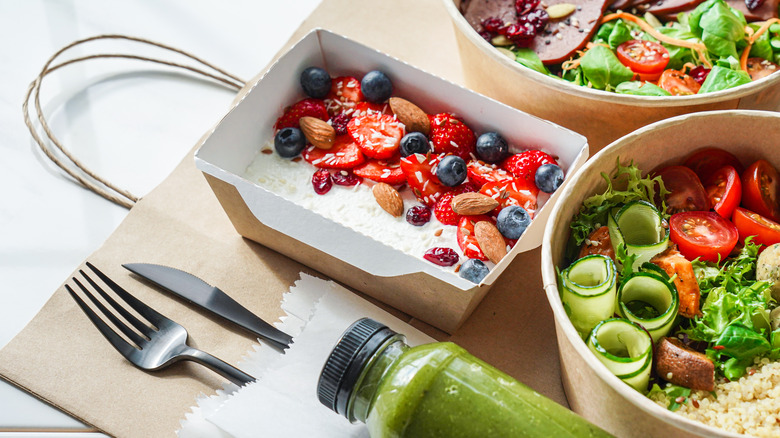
(752, 37)
(743, 59)
(763, 28)
(697, 47)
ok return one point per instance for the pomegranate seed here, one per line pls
(321, 181)
(521, 33)
(345, 178)
(339, 123)
(523, 7)
(441, 256)
(492, 24)
(418, 215)
(537, 18)
(699, 73)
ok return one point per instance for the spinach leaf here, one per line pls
(574, 75)
(762, 47)
(721, 78)
(602, 35)
(742, 343)
(602, 68)
(718, 26)
(530, 59)
(620, 34)
(678, 56)
(641, 89)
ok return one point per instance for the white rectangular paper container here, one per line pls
(408, 283)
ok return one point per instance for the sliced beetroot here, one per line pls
(664, 7)
(564, 36)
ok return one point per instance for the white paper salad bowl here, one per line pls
(591, 389)
(601, 116)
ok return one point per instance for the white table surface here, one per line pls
(126, 120)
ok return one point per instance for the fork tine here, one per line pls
(147, 312)
(120, 344)
(122, 326)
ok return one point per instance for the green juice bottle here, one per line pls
(434, 390)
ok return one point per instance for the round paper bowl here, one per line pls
(601, 116)
(591, 389)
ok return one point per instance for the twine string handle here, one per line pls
(65, 159)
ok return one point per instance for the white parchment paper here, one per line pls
(283, 401)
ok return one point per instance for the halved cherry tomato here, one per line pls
(766, 232)
(703, 234)
(760, 190)
(686, 190)
(724, 190)
(678, 83)
(758, 68)
(645, 57)
(705, 162)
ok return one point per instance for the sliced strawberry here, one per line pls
(378, 135)
(387, 171)
(467, 241)
(512, 192)
(344, 154)
(481, 173)
(363, 108)
(419, 172)
(443, 210)
(344, 94)
(451, 136)
(524, 164)
(305, 108)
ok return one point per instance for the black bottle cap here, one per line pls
(345, 363)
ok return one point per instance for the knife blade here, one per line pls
(202, 294)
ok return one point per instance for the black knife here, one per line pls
(200, 293)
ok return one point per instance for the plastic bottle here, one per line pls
(434, 390)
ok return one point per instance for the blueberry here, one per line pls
(491, 147)
(315, 82)
(289, 142)
(473, 270)
(414, 143)
(451, 170)
(376, 86)
(548, 177)
(512, 221)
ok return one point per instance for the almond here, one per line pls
(560, 10)
(472, 203)
(410, 115)
(318, 132)
(490, 240)
(389, 199)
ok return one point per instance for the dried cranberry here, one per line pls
(487, 36)
(525, 6)
(522, 34)
(699, 73)
(346, 178)
(322, 181)
(753, 4)
(339, 123)
(537, 18)
(492, 24)
(441, 256)
(418, 215)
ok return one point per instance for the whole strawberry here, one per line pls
(524, 165)
(305, 108)
(450, 135)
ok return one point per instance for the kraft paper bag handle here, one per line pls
(63, 158)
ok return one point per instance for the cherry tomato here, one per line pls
(760, 185)
(686, 190)
(724, 190)
(708, 160)
(703, 234)
(757, 68)
(645, 57)
(766, 232)
(678, 83)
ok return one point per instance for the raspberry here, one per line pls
(339, 123)
(321, 181)
(441, 256)
(418, 215)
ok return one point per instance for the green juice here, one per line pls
(440, 390)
